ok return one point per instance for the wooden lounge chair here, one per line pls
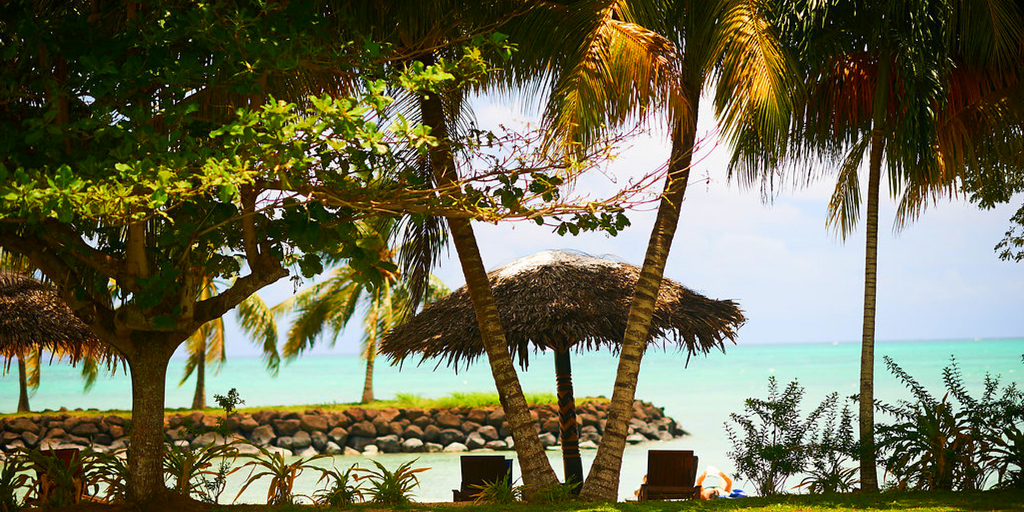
(480, 470)
(670, 475)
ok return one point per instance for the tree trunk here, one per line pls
(567, 424)
(23, 386)
(368, 382)
(602, 483)
(199, 398)
(533, 463)
(868, 465)
(148, 365)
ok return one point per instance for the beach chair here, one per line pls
(50, 479)
(480, 470)
(670, 475)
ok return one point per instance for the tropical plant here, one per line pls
(391, 487)
(14, 479)
(553, 494)
(112, 475)
(957, 442)
(773, 440)
(503, 491)
(342, 487)
(920, 91)
(62, 482)
(188, 470)
(282, 474)
(330, 305)
(829, 452)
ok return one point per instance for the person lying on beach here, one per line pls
(714, 483)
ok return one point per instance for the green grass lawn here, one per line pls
(917, 501)
(401, 401)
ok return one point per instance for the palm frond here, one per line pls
(259, 321)
(844, 207)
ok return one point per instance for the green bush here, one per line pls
(553, 494)
(391, 487)
(773, 441)
(503, 491)
(832, 453)
(957, 442)
(342, 487)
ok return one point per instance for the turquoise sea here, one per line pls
(700, 394)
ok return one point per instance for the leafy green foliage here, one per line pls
(229, 402)
(554, 494)
(188, 472)
(503, 491)
(13, 479)
(957, 442)
(776, 439)
(111, 470)
(830, 450)
(342, 487)
(391, 487)
(282, 474)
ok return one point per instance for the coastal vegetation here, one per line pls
(164, 161)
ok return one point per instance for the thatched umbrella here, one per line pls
(560, 301)
(34, 317)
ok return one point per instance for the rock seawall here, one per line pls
(351, 431)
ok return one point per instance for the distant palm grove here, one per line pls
(163, 161)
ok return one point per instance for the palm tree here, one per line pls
(330, 306)
(921, 89)
(694, 43)
(206, 345)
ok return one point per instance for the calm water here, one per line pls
(699, 395)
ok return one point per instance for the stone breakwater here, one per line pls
(348, 432)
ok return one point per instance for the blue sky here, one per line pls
(797, 282)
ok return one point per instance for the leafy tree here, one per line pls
(150, 150)
(918, 89)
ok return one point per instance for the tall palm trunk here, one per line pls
(22, 386)
(533, 463)
(603, 481)
(199, 398)
(371, 350)
(868, 465)
(368, 382)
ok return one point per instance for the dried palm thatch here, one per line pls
(560, 300)
(33, 317)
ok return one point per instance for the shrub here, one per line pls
(958, 442)
(111, 470)
(553, 494)
(187, 470)
(13, 480)
(342, 487)
(772, 442)
(391, 488)
(282, 474)
(503, 491)
(830, 451)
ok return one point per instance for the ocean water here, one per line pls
(700, 394)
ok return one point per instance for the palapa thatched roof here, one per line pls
(33, 316)
(560, 298)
